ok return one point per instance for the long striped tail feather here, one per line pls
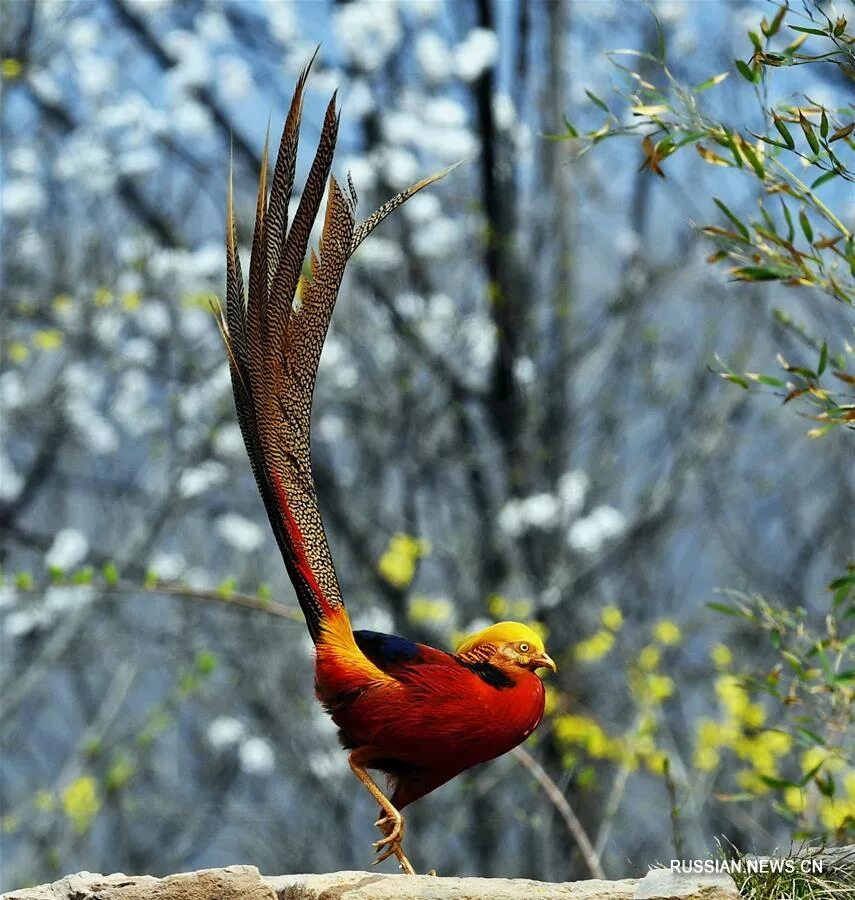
(274, 344)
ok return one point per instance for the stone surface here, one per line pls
(663, 883)
(245, 883)
(231, 883)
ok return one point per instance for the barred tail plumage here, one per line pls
(274, 331)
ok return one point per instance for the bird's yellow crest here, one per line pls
(504, 633)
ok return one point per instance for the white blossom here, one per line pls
(367, 32)
(225, 732)
(228, 441)
(213, 26)
(153, 317)
(438, 238)
(167, 566)
(328, 763)
(23, 621)
(23, 197)
(379, 255)
(504, 111)
(433, 56)
(477, 52)
(24, 160)
(82, 33)
(282, 20)
(445, 113)
(10, 481)
(256, 756)
(524, 370)
(360, 100)
(241, 533)
(235, 77)
(399, 166)
(203, 477)
(69, 549)
(589, 534)
(535, 511)
(572, 489)
(424, 207)
(95, 74)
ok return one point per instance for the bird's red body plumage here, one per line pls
(417, 713)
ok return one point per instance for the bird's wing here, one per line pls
(274, 333)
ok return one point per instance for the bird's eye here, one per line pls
(524, 648)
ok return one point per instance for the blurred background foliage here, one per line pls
(518, 415)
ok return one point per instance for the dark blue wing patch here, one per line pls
(385, 649)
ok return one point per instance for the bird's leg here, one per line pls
(391, 820)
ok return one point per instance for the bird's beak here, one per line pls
(544, 661)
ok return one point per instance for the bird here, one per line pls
(417, 714)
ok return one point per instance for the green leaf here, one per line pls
(571, 128)
(823, 178)
(808, 30)
(742, 228)
(710, 82)
(783, 131)
(791, 231)
(596, 100)
(744, 70)
(777, 782)
(753, 161)
(809, 775)
(759, 273)
(110, 574)
(823, 125)
(724, 608)
(806, 226)
(810, 137)
(823, 358)
(206, 662)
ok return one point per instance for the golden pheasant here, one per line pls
(417, 714)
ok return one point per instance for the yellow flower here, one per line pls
(834, 812)
(749, 780)
(398, 562)
(430, 610)
(731, 694)
(660, 687)
(48, 339)
(795, 799)
(815, 755)
(649, 658)
(667, 632)
(44, 801)
(131, 300)
(81, 802)
(595, 647)
(520, 609)
(62, 303)
(721, 656)
(497, 606)
(103, 296)
(849, 784)
(656, 762)
(706, 758)
(612, 618)
(551, 700)
(11, 68)
(18, 352)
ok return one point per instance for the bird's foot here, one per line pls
(390, 844)
(392, 827)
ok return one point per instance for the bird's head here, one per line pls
(508, 644)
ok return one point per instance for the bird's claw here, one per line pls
(394, 834)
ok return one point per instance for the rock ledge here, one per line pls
(247, 883)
